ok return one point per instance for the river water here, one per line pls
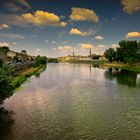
(74, 102)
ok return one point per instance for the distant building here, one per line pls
(9, 56)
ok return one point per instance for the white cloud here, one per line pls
(99, 49)
(64, 48)
(99, 37)
(133, 35)
(38, 18)
(38, 50)
(75, 31)
(86, 46)
(131, 6)
(114, 46)
(14, 43)
(46, 41)
(4, 44)
(53, 42)
(4, 26)
(82, 14)
(43, 18)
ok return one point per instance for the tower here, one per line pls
(73, 54)
(90, 52)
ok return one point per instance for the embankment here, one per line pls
(24, 75)
(134, 68)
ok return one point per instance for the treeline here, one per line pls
(128, 52)
(40, 60)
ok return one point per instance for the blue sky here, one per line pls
(59, 27)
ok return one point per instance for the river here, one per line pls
(74, 102)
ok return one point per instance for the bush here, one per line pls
(40, 60)
(5, 82)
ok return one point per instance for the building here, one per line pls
(9, 56)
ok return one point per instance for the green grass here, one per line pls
(135, 68)
(23, 76)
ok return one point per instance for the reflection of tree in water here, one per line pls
(6, 121)
(37, 75)
(122, 76)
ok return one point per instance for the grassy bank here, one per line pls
(93, 62)
(134, 68)
(23, 76)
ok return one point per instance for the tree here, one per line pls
(40, 60)
(5, 49)
(5, 82)
(128, 52)
(1, 62)
(110, 54)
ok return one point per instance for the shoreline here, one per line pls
(135, 68)
(105, 64)
(24, 75)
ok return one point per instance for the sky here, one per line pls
(56, 28)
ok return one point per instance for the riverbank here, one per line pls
(92, 62)
(24, 75)
(135, 68)
(105, 64)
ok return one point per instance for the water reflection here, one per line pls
(37, 75)
(122, 77)
(74, 102)
(6, 122)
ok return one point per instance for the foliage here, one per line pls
(4, 49)
(128, 52)
(40, 60)
(5, 81)
(110, 54)
(1, 62)
(52, 60)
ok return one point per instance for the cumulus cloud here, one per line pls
(99, 37)
(4, 26)
(38, 18)
(75, 31)
(53, 42)
(4, 44)
(11, 36)
(82, 14)
(99, 49)
(63, 48)
(46, 41)
(41, 18)
(114, 46)
(14, 43)
(38, 50)
(133, 35)
(86, 46)
(131, 6)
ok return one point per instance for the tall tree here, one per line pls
(110, 54)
